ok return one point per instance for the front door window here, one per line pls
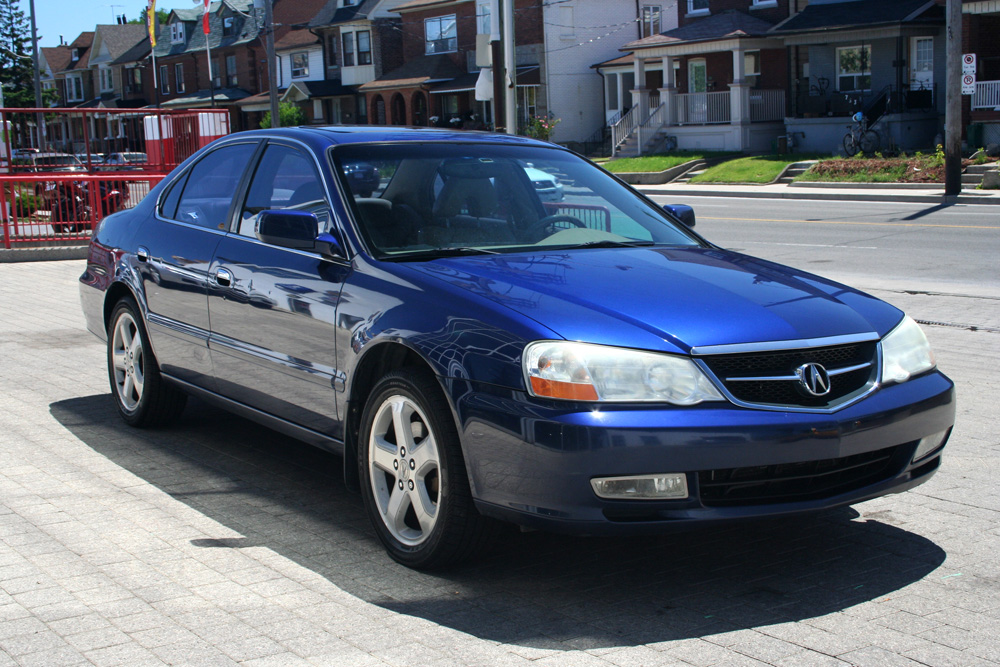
(697, 76)
(922, 63)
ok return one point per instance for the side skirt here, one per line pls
(311, 437)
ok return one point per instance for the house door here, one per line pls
(697, 76)
(922, 63)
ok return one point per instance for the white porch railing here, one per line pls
(987, 95)
(623, 129)
(652, 124)
(702, 108)
(767, 105)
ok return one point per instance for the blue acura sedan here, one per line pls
(480, 354)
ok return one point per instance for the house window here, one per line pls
(566, 25)
(215, 74)
(76, 55)
(300, 65)
(164, 81)
(228, 26)
(331, 50)
(317, 109)
(526, 104)
(135, 77)
(440, 34)
(364, 47)
(107, 79)
(74, 88)
(231, 71)
(348, 41)
(751, 67)
(697, 6)
(611, 91)
(650, 20)
(179, 77)
(483, 24)
(176, 32)
(854, 68)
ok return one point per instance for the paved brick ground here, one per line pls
(217, 542)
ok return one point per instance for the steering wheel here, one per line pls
(537, 228)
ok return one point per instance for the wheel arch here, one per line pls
(377, 359)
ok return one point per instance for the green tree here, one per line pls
(16, 70)
(289, 114)
(161, 17)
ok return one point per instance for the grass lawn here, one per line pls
(754, 169)
(655, 163)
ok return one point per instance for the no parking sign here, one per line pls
(968, 84)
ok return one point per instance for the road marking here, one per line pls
(847, 222)
(817, 245)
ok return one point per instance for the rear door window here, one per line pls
(211, 186)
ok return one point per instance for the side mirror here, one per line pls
(328, 245)
(682, 212)
(289, 228)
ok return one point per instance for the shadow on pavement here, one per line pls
(535, 589)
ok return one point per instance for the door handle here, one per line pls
(142, 254)
(224, 277)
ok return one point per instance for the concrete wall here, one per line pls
(826, 135)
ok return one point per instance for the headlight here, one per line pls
(905, 352)
(586, 372)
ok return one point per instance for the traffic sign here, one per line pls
(968, 84)
(968, 63)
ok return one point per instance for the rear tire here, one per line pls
(142, 397)
(870, 142)
(851, 147)
(413, 477)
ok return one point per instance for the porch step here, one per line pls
(796, 169)
(980, 168)
(971, 179)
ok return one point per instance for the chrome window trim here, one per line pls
(783, 345)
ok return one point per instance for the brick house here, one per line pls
(980, 32)
(435, 84)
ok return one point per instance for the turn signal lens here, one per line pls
(642, 487)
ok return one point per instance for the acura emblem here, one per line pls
(814, 379)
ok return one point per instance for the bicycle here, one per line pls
(861, 139)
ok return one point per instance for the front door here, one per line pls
(922, 63)
(697, 76)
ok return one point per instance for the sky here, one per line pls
(71, 17)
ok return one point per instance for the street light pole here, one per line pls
(40, 120)
(272, 70)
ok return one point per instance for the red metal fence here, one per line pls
(63, 170)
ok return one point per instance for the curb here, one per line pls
(42, 254)
(833, 195)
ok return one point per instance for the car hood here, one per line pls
(670, 299)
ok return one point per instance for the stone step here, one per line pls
(972, 179)
(980, 168)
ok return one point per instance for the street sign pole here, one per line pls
(953, 101)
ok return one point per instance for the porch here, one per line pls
(723, 92)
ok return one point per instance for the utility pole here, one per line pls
(510, 68)
(953, 101)
(272, 70)
(40, 118)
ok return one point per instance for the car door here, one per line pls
(272, 308)
(175, 254)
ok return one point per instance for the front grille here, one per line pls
(793, 482)
(728, 368)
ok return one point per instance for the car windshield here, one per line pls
(57, 161)
(443, 199)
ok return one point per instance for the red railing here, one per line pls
(63, 170)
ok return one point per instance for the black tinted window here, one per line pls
(211, 186)
(285, 178)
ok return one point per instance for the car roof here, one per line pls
(358, 134)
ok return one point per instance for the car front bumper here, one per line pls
(531, 462)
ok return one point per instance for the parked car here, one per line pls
(547, 186)
(125, 161)
(35, 162)
(95, 158)
(363, 178)
(476, 354)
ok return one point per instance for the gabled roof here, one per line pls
(859, 13)
(332, 13)
(413, 5)
(57, 57)
(194, 38)
(82, 44)
(724, 25)
(296, 38)
(120, 39)
(438, 67)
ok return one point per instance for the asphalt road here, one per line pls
(943, 248)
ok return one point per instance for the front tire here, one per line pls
(141, 396)
(413, 477)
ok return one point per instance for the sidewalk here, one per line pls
(827, 191)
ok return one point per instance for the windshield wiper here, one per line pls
(438, 253)
(613, 244)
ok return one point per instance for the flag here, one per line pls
(204, 19)
(151, 22)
